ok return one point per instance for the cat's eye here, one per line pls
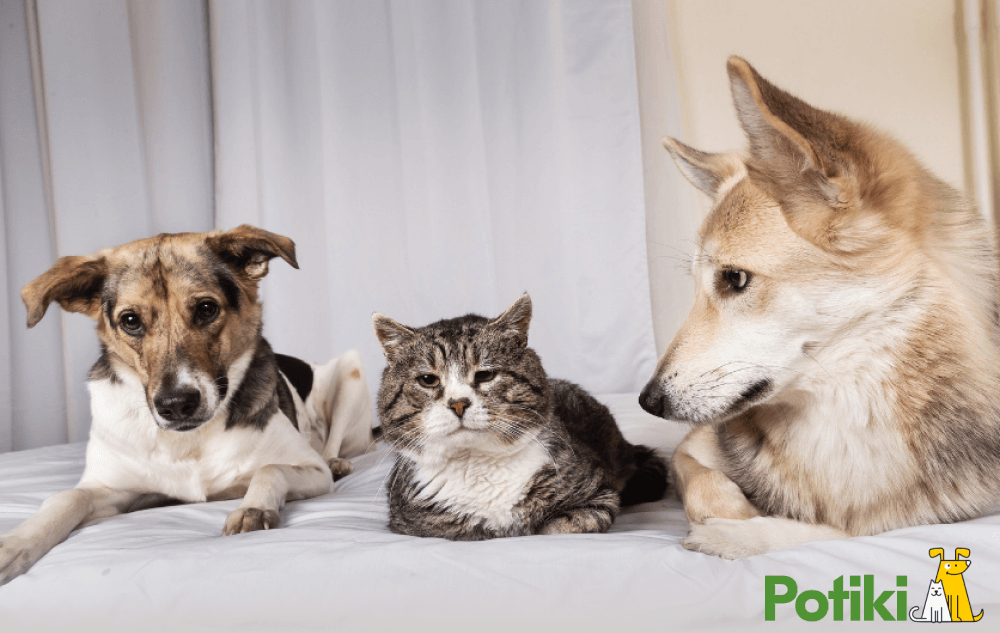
(206, 311)
(428, 380)
(735, 280)
(484, 375)
(131, 323)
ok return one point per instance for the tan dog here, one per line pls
(189, 402)
(841, 361)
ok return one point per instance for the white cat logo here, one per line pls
(935, 606)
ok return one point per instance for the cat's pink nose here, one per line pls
(459, 406)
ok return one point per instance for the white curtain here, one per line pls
(430, 159)
(105, 137)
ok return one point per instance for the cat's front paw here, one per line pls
(560, 525)
(340, 467)
(16, 557)
(244, 520)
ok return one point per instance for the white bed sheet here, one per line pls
(333, 566)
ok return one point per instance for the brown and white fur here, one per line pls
(187, 398)
(840, 364)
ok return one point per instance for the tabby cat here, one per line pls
(488, 446)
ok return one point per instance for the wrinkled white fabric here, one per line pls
(334, 566)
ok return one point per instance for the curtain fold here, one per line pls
(429, 159)
(438, 158)
(123, 141)
(32, 390)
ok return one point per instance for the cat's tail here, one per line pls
(649, 482)
(917, 618)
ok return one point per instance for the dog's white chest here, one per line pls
(127, 450)
(484, 485)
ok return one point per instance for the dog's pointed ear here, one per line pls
(766, 114)
(937, 552)
(74, 282)
(515, 320)
(791, 147)
(248, 249)
(705, 171)
(390, 333)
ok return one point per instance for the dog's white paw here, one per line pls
(725, 538)
(243, 520)
(340, 467)
(733, 539)
(16, 557)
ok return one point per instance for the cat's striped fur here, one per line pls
(489, 446)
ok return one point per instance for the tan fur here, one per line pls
(852, 385)
(704, 489)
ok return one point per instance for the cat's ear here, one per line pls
(515, 320)
(390, 333)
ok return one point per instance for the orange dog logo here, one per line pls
(953, 605)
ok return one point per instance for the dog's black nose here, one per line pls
(179, 404)
(654, 400)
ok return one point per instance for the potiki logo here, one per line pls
(947, 599)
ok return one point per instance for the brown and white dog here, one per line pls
(189, 403)
(841, 362)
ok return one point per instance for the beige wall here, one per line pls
(893, 63)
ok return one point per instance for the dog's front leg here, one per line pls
(707, 493)
(723, 522)
(269, 488)
(59, 515)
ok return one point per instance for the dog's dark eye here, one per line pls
(130, 322)
(735, 279)
(205, 311)
(428, 380)
(484, 376)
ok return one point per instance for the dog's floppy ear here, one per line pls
(515, 320)
(390, 333)
(963, 552)
(74, 282)
(705, 171)
(791, 147)
(248, 249)
(937, 552)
